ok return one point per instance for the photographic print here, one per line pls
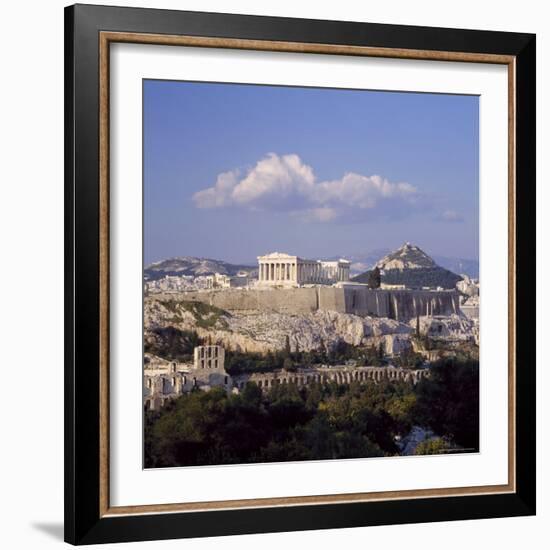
(311, 274)
(276, 233)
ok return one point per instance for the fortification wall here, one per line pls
(284, 300)
(331, 299)
(364, 301)
(406, 304)
(401, 305)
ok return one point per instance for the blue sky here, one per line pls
(236, 171)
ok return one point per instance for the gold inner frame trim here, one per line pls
(105, 39)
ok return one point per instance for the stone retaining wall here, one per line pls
(401, 305)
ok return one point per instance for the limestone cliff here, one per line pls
(262, 332)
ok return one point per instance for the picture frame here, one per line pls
(90, 31)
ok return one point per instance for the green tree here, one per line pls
(287, 346)
(288, 365)
(448, 401)
(375, 278)
(323, 355)
(381, 350)
(319, 421)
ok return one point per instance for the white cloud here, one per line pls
(323, 214)
(451, 216)
(274, 180)
(285, 183)
(220, 194)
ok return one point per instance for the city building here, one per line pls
(388, 286)
(220, 280)
(468, 286)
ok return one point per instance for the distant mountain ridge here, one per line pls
(413, 258)
(366, 261)
(409, 265)
(191, 265)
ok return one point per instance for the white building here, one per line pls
(280, 269)
(220, 280)
(388, 286)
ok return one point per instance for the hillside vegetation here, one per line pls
(315, 422)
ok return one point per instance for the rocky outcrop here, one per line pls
(407, 256)
(263, 332)
(311, 331)
(269, 331)
(450, 328)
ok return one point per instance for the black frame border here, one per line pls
(83, 524)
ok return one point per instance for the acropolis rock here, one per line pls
(262, 332)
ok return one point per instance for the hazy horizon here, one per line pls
(253, 262)
(236, 171)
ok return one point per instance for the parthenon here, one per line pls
(279, 269)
